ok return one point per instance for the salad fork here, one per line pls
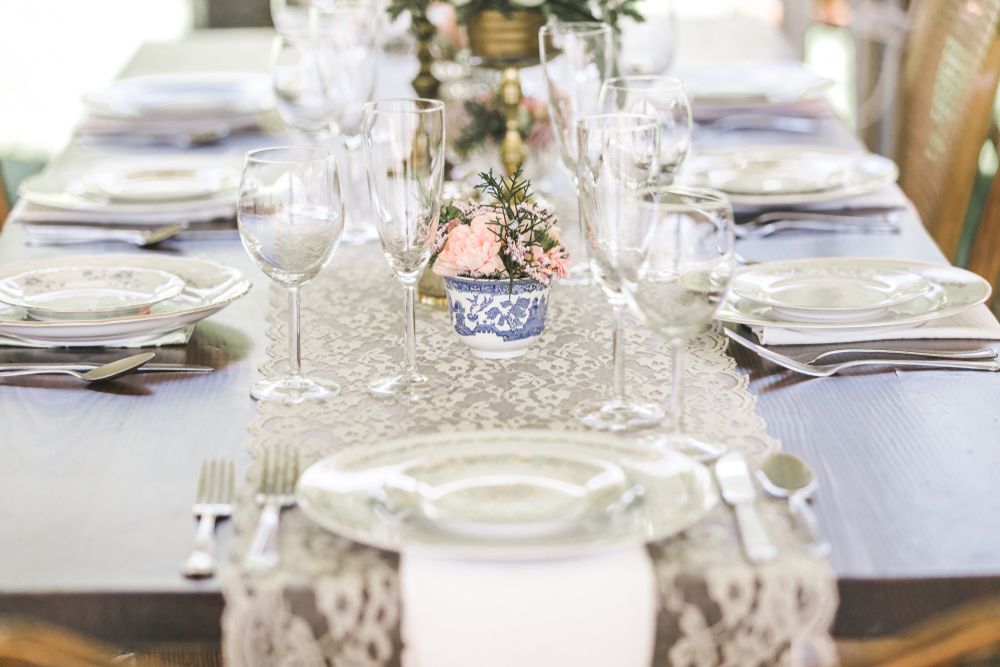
(214, 500)
(826, 370)
(277, 491)
(988, 353)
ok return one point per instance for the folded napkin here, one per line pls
(890, 196)
(974, 324)
(159, 215)
(182, 132)
(707, 112)
(176, 337)
(587, 612)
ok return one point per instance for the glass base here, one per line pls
(360, 234)
(410, 387)
(293, 390)
(579, 276)
(697, 447)
(616, 415)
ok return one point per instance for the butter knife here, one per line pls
(737, 490)
(155, 368)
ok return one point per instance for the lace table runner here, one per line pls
(335, 602)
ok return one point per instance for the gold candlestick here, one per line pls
(426, 84)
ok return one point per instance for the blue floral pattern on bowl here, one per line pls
(494, 321)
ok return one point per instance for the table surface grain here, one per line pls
(96, 482)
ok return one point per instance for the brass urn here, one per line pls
(507, 44)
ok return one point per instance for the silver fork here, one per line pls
(50, 234)
(277, 491)
(832, 369)
(214, 500)
(988, 353)
(769, 223)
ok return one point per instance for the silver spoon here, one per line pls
(106, 372)
(787, 476)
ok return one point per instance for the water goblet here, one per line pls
(664, 97)
(300, 91)
(576, 58)
(347, 37)
(675, 268)
(405, 154)
(618, 154)
(291, 217)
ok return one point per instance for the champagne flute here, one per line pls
(618, 154)
(664, 97)
(291, 217)
(576, 58)
(675, 269)
(347, 37)
(405, 153)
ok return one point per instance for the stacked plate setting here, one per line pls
(111, 299)
(850, 294)
(506, 494)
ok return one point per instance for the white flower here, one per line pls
(526, 3)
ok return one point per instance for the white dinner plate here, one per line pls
(88, 292)
(207, 94)
(754, 82)
(209, 287)
(157, 180)
(782, 176)
(952, 290)
(140, 186)
(829, 290)
(506, 494)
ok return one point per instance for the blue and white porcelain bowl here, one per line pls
(495, 322)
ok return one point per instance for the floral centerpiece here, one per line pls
(498, 261)
(483, 123)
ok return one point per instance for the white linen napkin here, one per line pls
(160, 215)
(586, 612)
(176, 337)
(182, 132)
(974, 324)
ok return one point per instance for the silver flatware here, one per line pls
(867, 221)
(216, 487)
(734, 480)
(988, 353)
(277, 491)
(110, 371)
(787, 476)
(86, 366)
(796, 124)
(51, 234)
(832, 369)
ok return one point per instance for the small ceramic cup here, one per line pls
(493, 320)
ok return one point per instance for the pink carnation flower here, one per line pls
(471, 248)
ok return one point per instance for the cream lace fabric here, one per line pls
(337, 603)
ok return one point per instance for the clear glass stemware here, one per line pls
(664, 97)
(299, 89)
(675, 267)
(347, 36)
(618, 154)
(576, 59)
(405, 153)
(291, 217)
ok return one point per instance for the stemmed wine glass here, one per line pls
(347, 38)
(405, 153)
(618, 154)
(675, 267)
(299, 89)
(576, 58)
(291, 217)
(664, 97)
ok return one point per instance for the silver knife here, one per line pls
(154, 368)
(737, 490)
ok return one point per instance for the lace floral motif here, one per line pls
(337, 601)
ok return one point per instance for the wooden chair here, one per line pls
(968, 635)
(4, 208)
(948, 83)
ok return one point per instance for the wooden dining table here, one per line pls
(97, 481)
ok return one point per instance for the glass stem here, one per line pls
(355, 174)
(294, 333)
(410, 329)
(676, 386)
(618, 351)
